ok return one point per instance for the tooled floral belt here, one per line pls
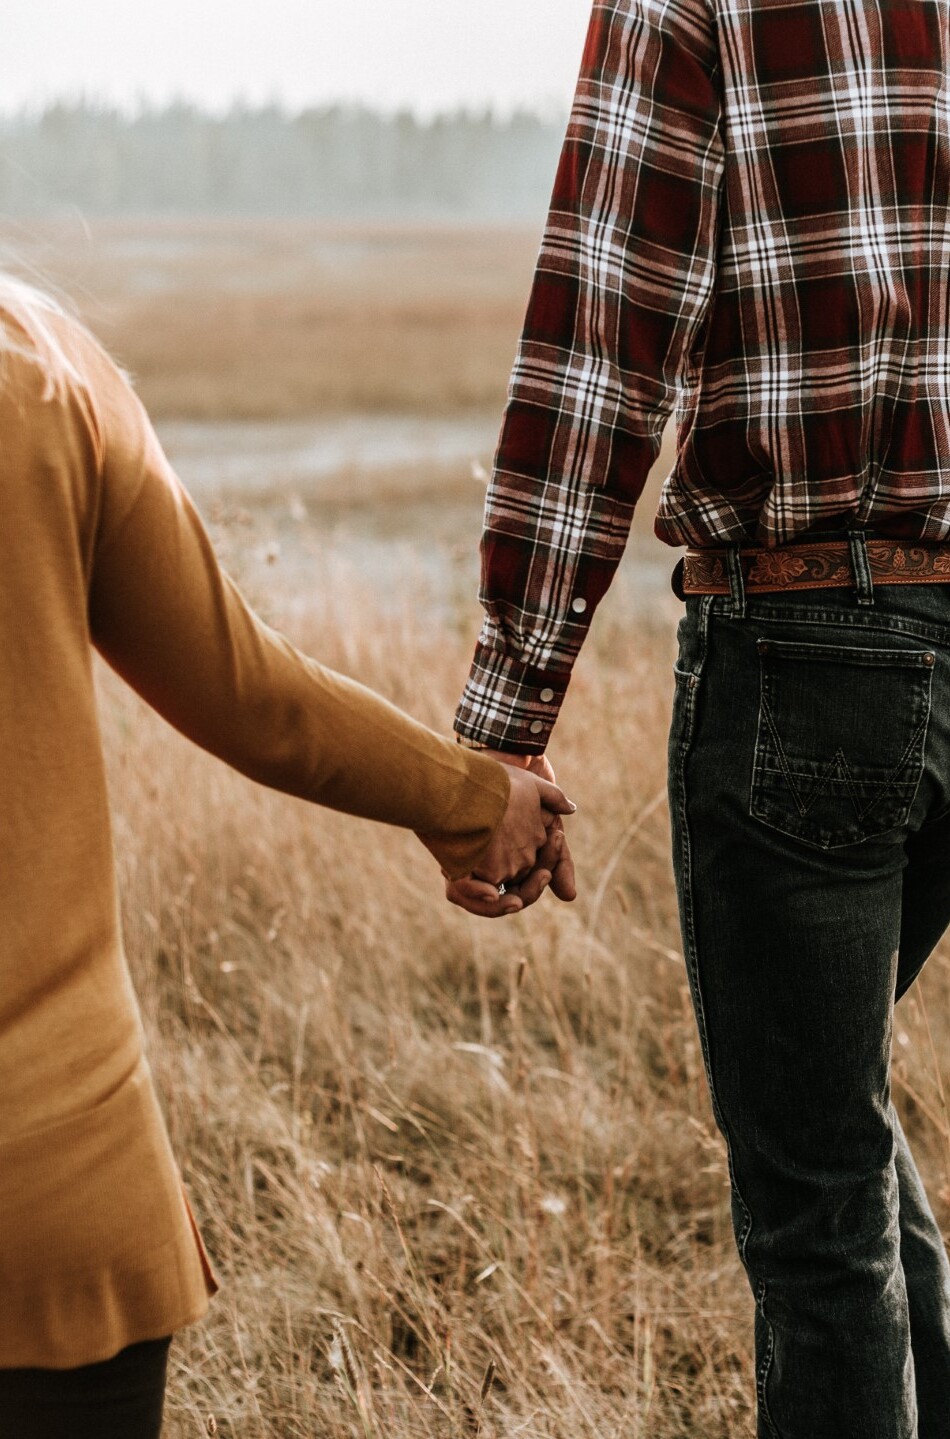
(822, 564)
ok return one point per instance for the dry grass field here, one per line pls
(458, 1178)
(268, 320)
(467, 1151)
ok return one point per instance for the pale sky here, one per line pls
(429, 54)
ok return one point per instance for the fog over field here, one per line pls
(336, 161)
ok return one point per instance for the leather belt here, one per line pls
(821, 564)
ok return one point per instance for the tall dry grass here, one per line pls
(459, 1178)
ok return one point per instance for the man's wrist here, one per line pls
(509, 705)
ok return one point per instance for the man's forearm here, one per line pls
(622, 285)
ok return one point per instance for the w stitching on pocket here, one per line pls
(838, 767)
(851, 797)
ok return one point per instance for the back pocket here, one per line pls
(840, 745)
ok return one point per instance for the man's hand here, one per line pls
(551, 865)
(562, 876)
(534, 803)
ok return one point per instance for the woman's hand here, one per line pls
(477, 896)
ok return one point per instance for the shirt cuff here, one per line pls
(508, 705)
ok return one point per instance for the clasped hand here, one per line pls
(529, 852)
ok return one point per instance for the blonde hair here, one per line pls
(26, 330)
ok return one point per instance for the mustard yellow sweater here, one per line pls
(101, 547)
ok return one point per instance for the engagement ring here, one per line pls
(502, 889)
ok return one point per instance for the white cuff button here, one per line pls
(579, 606)
(537, 727)
(547, 696)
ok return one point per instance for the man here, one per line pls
(750, 224)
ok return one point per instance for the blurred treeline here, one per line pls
(341, 162)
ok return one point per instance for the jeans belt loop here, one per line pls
(861, 567)
(736, 581)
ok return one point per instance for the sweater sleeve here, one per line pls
(173, 624)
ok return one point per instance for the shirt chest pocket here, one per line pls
(840, 742)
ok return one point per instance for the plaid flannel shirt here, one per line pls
(750, 226)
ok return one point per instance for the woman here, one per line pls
(100, 547)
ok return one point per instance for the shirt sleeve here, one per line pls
(173, 624)
(615, 320)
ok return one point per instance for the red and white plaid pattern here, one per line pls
(750, 227)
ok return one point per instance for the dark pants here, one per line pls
(119, 1398)
(810, 797)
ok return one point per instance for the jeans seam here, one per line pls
(693, 972)
(692, 966)
(765, 1367)
(693, 969)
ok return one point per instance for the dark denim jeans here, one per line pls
(810, 797)
(118, 1398)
